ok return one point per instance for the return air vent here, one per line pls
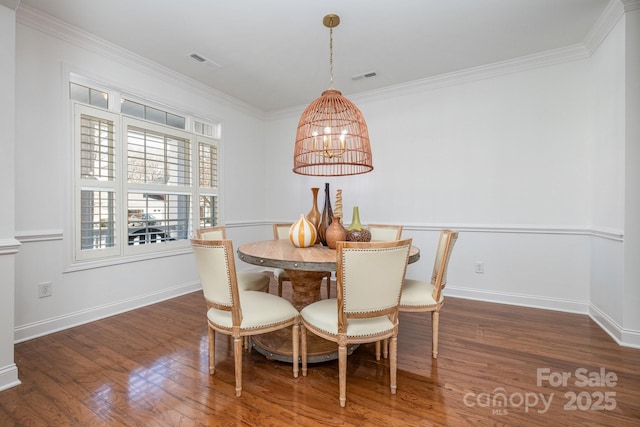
(367, 75)
(201, 59)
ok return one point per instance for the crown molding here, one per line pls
(605, 23)
(630, 5)
(497, 69)
(11, 4)
(55, 28)
(607, 20)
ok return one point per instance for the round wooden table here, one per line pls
(305, 267)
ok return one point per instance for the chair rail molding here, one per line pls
(33, 236)
(599, 232)
(9, 246)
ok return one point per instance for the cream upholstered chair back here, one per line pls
(216, 267)
(370, 277)
(443, 254)
(211, 233)
(247, 280)
(281, 231)
(384, 232)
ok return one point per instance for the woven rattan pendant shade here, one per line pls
(332, 137)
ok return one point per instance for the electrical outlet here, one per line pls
(44, 289)
(480, 267)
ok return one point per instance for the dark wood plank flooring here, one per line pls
(148, 367)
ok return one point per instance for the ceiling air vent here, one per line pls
(201, 59)
(367, 75)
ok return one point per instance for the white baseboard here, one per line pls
(624, 337)
(9, 377)
(557, 304)
(48, 326)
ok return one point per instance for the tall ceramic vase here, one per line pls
(314, 214)
(335, 233)
(326, 217)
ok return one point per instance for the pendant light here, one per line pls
(332, 137)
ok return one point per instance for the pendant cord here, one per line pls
(331, 56)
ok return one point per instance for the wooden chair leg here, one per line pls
(342, 373)
(385, 348)
(296, 348)
(393, 363)
(212, 350)
(328, 277)
(279, 286)
(237, 354)
(303, 344)
(435, 320)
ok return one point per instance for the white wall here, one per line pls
(608, 178)
(615, 272)
(506, 160)
(8, 245)
(631, 307)
(43, 177)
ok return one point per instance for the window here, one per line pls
(208, 183)
(143, 181)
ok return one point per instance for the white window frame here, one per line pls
(157, 188)
(83, 184)
(207, 191)
(122, 250)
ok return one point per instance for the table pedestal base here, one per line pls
(277, 345)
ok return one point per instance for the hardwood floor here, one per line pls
(148, 367)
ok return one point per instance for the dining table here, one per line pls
(306, 268)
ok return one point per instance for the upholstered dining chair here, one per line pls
(247, 280)
(419, 295)
(369, 277)
(281, 231)
(384, 232)
(238, 313)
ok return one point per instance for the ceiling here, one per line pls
(274, 55)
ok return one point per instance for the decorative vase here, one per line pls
(335, 233)
(314, 214)
(326, 217)
(338, 210)
(355, 231)
(302, 233)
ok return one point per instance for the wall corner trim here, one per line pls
(624, 337)
(9, 377)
